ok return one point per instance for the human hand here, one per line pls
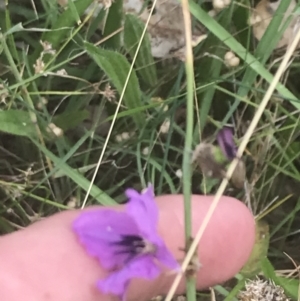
(46, 262)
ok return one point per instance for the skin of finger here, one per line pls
(46, 262)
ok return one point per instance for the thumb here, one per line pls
(46, 262)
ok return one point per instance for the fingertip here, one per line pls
(227, 240)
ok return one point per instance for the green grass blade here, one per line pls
(81, 181)
(113, 23)
(241, 51)
(17, 122)
(133, 30)
(74, 11)
(116, 67)
(64, 24)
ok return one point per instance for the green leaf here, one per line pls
(117, 68)
(260, 250)
(242, 52)
(74, 11)
(69, 120)
(112, 24)
(133, 30)
(81, 181)
(19, 27)
(17, 122)
(65, 21)
(290, 286)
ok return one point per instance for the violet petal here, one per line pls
(226, 142)
(164, 256)
(143, 209)
(99, 230)
(117, 282)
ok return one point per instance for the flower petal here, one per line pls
(99, 230)
(226, 142)
(143, 209)
(117, 282)
(164, 256)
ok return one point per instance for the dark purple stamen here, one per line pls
(131, 244)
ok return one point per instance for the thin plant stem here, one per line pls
(186, 166)
(234, 163)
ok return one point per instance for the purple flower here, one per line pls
(226, 142)
(126, 243)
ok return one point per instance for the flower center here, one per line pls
(134, 245)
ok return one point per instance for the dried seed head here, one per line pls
(109, 93)
(61, 72)
(219, 5)
(73, 202)
(52, 128)
(164, 128)
(47, 47)
(205, 157)
(118, 138)
(39, 66)
(231, 60)
(212, 13)
(178, 173)
(239, 175)
(145, 151)
(125, 136)
(262, 290)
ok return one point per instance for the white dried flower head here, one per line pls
(262, 290)
(178, 173)
(109, 93)
(52, 128)
(231, 60)
(4, 95)
(61, 72)
(234, 62)
(73, 202)
(219, 5)
(145, 151)
(10, 211)
(164, 128)
(118, 138)
(43, 101)
(106, 3)
(212, 13)
(125, 136)
(47, 47)
(229, 55)
(39, 66)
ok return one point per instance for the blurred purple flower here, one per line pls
(226, 142)
(126, 243)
